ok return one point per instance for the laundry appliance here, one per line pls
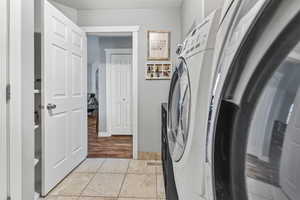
(188, 107)
(253, 145)
(229, 10)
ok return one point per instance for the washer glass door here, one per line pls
(273, 144)
(179, 111)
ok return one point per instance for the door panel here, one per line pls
(121, 87)
(64, 97)
(59, 136)
(76, 76)
(59, 66)
(76, 130)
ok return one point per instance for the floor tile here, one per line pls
(158, 170)
(59, 198)
(160, 186)
(96, 198)
(140, 167)
(114, 166)
(90, 165)
(73, 184)
(107, 185)
(134, 199)
(67, 198)
(139, 186)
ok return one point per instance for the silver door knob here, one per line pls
(51, 106)
(124, 99)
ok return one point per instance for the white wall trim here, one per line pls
(3, 105)
(135, 99)
(108, 53)
(134, 30)
(118, 51)
(15, 118)
(109, 29)
(108, 94)
(103, 134)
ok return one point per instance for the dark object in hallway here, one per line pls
(93, 108)
(92, 103)
(107, 147)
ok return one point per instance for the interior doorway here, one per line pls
(110, 96)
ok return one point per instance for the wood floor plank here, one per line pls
(117, 146)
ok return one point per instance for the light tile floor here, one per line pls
(112, 179)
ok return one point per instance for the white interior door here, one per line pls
(290, 160)
(3, 105)
(121, 94)
(64, 97)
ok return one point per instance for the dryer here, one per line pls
(188, 107)
(254, 137)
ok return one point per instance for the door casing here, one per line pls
(3, 101)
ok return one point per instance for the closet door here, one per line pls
(121, 94)
(64, 97)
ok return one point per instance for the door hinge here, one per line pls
(8, 92)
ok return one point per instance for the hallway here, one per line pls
(112, 179)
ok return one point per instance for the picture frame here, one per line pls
(159, 45)
(158, 71)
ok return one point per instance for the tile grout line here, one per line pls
(125, 175)
(80, 195)
(156, 192)
(104, 160)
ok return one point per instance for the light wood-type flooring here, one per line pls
(107, 147)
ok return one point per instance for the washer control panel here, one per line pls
(197, 39)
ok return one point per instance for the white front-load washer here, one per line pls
(229, 10)
(254, 136)
(188, 107)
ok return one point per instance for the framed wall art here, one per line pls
(159, 45)
(158, 71)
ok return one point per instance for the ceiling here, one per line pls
(119, 4)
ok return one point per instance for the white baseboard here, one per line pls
(121, 133)
(264, 158)
(103, 134)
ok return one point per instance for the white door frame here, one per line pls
(108, 53)
(134, 30)
(21, 56)
(3, 105)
